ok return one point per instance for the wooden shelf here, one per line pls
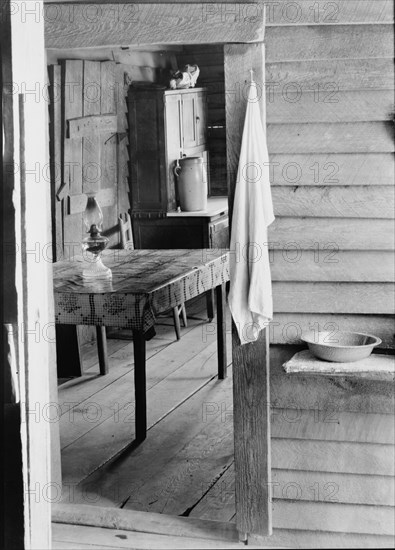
(215, 207)
(375, 367)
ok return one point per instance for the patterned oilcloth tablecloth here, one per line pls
(134, 297)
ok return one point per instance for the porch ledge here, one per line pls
(375, 367)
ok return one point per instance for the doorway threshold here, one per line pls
(118, 528)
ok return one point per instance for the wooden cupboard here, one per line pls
(165, 125)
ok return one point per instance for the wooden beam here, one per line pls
(144, 522)
(284, 12)
(251, 361)
(100, 25)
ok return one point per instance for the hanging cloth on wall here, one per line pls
(250, 297)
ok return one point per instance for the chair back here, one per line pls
(125, 230)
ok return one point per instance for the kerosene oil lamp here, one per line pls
(95, 243)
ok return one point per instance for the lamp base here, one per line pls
(96, 271)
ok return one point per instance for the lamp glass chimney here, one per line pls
(93, 216)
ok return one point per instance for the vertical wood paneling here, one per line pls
(109, 146)
(55, 142)
(72, 92)
(92, 168)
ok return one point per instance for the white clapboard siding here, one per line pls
(333, 487)
(331, 264)
(344, 233)
(296, 423)
(347, 137)
(346, 73)
(332, 169)
(328, 42)
(333, 297)
(288, 327)
(329, 516)
(329, 97)
(333, 456)
(322, 539)
(337, 202)
(327, 103)
(323, 13)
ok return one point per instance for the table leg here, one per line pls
(176, 320)
(221, 331)
(68, 356)
(210, 304)
(140, 386)
(101, 339)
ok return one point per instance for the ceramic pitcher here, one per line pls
(192, 185)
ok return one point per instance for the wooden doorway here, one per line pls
(202, 23)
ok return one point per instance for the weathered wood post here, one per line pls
(251, 393)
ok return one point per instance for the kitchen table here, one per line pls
(144, 284)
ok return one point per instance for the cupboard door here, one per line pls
(173, 144)
(147, 160)
(219, 233)
(189, 114)
(201, 118)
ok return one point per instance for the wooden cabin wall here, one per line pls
(330, 89)
(333, 456)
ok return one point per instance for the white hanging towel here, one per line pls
(250, 297)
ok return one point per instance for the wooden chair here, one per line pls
(126, 233)
(125, 230)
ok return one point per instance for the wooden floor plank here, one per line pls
(177, 488)
(219, 501)
(108, 438)
(121, 361)
(89, 353)
(87, 391)
(95, 401)
(116, 482)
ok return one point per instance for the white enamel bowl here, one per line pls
(340, 347)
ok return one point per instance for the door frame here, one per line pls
(242, 35)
